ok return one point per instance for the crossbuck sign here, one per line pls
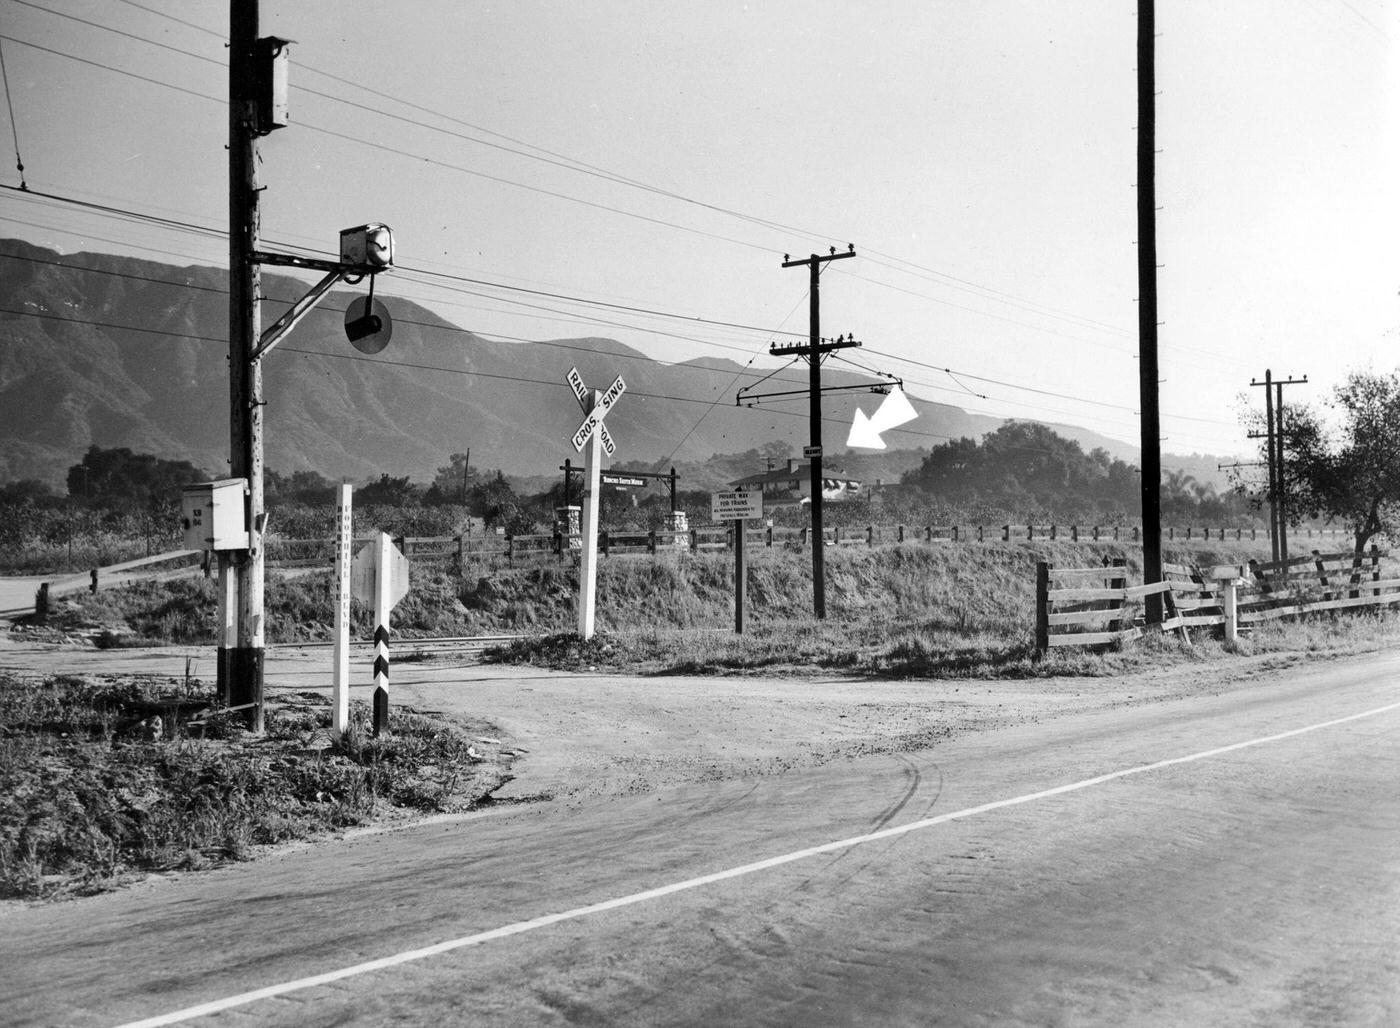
(591, 437)
(593, 419)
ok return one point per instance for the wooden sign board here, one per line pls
(736, 506)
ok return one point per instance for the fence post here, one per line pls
(768, 537)
(1006, 533)
(510, 550)
(1231, 605)
(1375, 569)
(651, 541)
(953, 534)
(869, 535)
(1116, 625)
(93, 587)
(1042, 607)
(694, 540)
(604, 544)
(1321, 573)
(461, 554)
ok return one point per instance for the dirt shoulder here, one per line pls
(586, 736)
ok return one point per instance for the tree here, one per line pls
(389, 492)
(493, 499)
(1349, 472)
(452, 481)
(122, 480)
(308, 487)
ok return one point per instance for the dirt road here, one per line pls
(1166, 850)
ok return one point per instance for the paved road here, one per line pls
(1067, 870)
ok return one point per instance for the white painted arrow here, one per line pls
(894, 411)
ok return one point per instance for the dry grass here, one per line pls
(103, 778)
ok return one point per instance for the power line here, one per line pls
(572, 164)
(14, 125)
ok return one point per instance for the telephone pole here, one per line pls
(1151, 443)
(1273, 448)
(813, 353)
(241, 666)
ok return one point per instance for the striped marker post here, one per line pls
(383, 603)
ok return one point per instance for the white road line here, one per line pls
(519, 927)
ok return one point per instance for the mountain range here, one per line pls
(97, 349)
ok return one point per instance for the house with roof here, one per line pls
(792, 485)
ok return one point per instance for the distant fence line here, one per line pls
(510, 549)
(1097, 606)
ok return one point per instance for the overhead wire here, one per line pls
(188, 226)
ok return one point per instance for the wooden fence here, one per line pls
(1096, 606)
(461, 549)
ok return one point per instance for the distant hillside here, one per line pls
(113, 351)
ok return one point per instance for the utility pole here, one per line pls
(1273, 448)
(1151, 443)
(241, 668)
(813, 352)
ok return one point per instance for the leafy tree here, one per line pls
(452, 481)
(389, 492)
(122, 480)
(308, 487)
(1027, 467)
(1349, 472)
(28, 491)
(493, 499)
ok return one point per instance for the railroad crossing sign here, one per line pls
(593, 419)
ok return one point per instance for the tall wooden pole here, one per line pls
(243, 686)
(813, 352)
(1147, 306)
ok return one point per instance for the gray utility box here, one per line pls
(213, 515)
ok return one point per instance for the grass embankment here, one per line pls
(908, 611)
(101, 779)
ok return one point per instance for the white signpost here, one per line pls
(735, 507)
(592, 440)
(379, 574)
(340, 675)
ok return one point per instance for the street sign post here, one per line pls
(592, 440)
(735, 507)
(380, 573)
(340, 676)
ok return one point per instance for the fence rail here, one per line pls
(291, 553)
(1096, 606)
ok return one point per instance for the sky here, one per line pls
(637, 171)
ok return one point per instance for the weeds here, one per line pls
(88, 796)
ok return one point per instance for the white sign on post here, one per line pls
(380, 576)
(736, 506)
(364, 574)
(340, 677)
(593, 420)
(592, 434)
(575, 381)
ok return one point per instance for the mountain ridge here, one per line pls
(97, 349)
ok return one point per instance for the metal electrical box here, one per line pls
(213, 515)
(273, 59)
(370, 247)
